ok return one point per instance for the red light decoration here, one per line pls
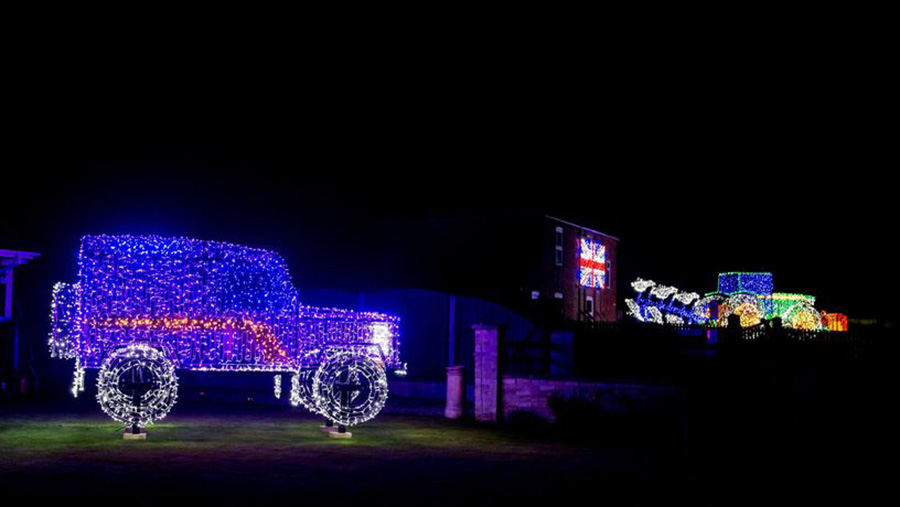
(835, 321)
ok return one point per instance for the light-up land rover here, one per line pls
(144, 307)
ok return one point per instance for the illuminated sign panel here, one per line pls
(592, 264)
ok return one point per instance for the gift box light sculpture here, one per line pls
(146, 306)
(747, 295)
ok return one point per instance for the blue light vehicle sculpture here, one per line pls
(146, 306)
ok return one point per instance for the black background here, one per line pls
(739, 147)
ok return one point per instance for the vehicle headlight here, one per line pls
(383, 337)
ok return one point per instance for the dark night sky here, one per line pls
(700, 158)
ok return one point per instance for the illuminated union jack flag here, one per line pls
(593, 264)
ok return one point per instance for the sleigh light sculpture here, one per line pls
(145, 306)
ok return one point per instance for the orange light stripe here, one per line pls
(269, 343)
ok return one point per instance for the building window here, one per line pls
(589, 305)
(535, 294)
(558, 295)
(559, 246)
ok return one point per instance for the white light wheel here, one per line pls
(137, 385)
(350, 388)
(301, 389)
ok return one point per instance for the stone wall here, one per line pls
(532, 395)
(498, 398)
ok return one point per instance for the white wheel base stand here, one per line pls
(128, 435)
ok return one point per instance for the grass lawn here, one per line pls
(243, 454)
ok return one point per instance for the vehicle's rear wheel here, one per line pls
(137, 385)
(349, 388)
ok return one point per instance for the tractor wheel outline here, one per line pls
(702, 308)
(747, 306)
(803, 316)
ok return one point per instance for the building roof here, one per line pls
(581, 227)
(12, 258)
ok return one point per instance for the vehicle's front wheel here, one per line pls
(349, 388)
(137, 385)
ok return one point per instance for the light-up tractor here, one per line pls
(749, 296)
(144, 307)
